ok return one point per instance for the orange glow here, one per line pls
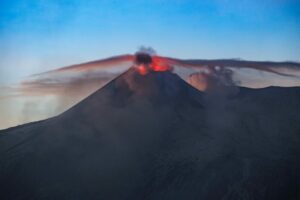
(160, 64)
(142, 69)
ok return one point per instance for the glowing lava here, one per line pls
(160, 64)
(146, 63)
(142, 69)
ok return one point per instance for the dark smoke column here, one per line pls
(143, 58)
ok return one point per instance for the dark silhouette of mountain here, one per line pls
(156, 137)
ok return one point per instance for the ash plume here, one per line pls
(68, 85)
(147, 50)
(113, 63)
(288, 69)
(94, 74)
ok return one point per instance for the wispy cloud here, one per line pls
(68, 85)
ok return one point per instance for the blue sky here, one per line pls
(38, 35)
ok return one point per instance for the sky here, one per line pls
(38, 35)
(42, 35)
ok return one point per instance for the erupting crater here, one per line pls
(145, 63)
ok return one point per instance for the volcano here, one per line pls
(153, 136)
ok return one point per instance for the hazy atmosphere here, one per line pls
(149, 99)
(42, 35)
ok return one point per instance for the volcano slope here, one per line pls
(156, 137)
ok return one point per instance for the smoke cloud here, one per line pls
(66, 86)
(147, 50)
(222, 72)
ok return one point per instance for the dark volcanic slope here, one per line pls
(155, 137)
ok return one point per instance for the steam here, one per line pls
(66, 86)
(87, 77)
(287, 69)
(147, 50)
(202, 74)
(209, 73)
(207, 81)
